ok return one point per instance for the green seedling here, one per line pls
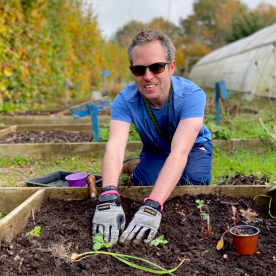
(0, 215)
(35, 232)
(125, 259)
(159, 241)
(99, 242)
(203, 216)
(220, 243)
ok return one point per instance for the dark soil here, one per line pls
(70, 222)
(49, 136)
(241, 179)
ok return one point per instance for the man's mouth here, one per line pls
(150, 86)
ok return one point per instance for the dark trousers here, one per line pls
(197, 170)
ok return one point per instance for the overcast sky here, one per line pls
(113, 14)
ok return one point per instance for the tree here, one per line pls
(124, 35)
(246, 24)
(201, 25)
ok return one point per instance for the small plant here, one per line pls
(159, 241)
(99, 242)
(204, 216)
(0, 215)
(124, 258)
(35, 232)
(220, 243)
(20, 160)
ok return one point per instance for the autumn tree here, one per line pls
(245, 24)
(201, 25)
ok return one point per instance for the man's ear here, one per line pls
(172, 67)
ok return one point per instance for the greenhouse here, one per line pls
(246, 65)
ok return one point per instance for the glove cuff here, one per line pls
(110, 192)
(160, 207)
(110, 198)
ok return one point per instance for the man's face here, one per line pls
(155, 87)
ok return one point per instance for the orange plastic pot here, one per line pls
(246, 244)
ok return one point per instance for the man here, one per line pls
(168, 114)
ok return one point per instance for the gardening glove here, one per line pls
(109, 218)
(143, 227)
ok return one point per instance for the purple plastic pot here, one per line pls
(76, 179)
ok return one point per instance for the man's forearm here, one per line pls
(112, 166)
(169, 177)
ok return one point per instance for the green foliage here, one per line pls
(99, 242)
(43, 43)
(20, 160)
(159, 241)
(219, 132)
(35, 232)
(200, 204)
(133, 133)
(0, 215)
(104, 133)
(247, 24)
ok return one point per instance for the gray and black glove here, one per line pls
(143, 226)
(109, 218)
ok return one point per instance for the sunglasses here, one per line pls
(155, 68)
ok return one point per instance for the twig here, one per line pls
(33, 216)
(20, 264)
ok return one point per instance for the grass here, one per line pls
(246, 162)
(13, 172)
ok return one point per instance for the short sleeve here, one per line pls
(193, 103)
(120, 111)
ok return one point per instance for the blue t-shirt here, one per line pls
(188, 101)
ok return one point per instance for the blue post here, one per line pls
(95, 124)
(217, 103)
(91, 109)
(221, 90)
(94, 120)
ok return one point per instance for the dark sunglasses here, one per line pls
(155, 68)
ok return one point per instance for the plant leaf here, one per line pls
(220, 244)
(97, 246)
(98, 238)
(160, 240)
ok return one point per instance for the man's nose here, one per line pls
(148, 74)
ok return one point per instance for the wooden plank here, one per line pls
(256, 145)
(10, 198)
(72, 149)
(139, 193)
(132, 149)
(5, 131)
(83, 128)
(44, 120)
(16, 220)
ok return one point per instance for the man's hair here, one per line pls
(147, 36)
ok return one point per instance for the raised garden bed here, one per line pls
(69, 223)
(50, 120)
(46, 136)
(132, 149)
